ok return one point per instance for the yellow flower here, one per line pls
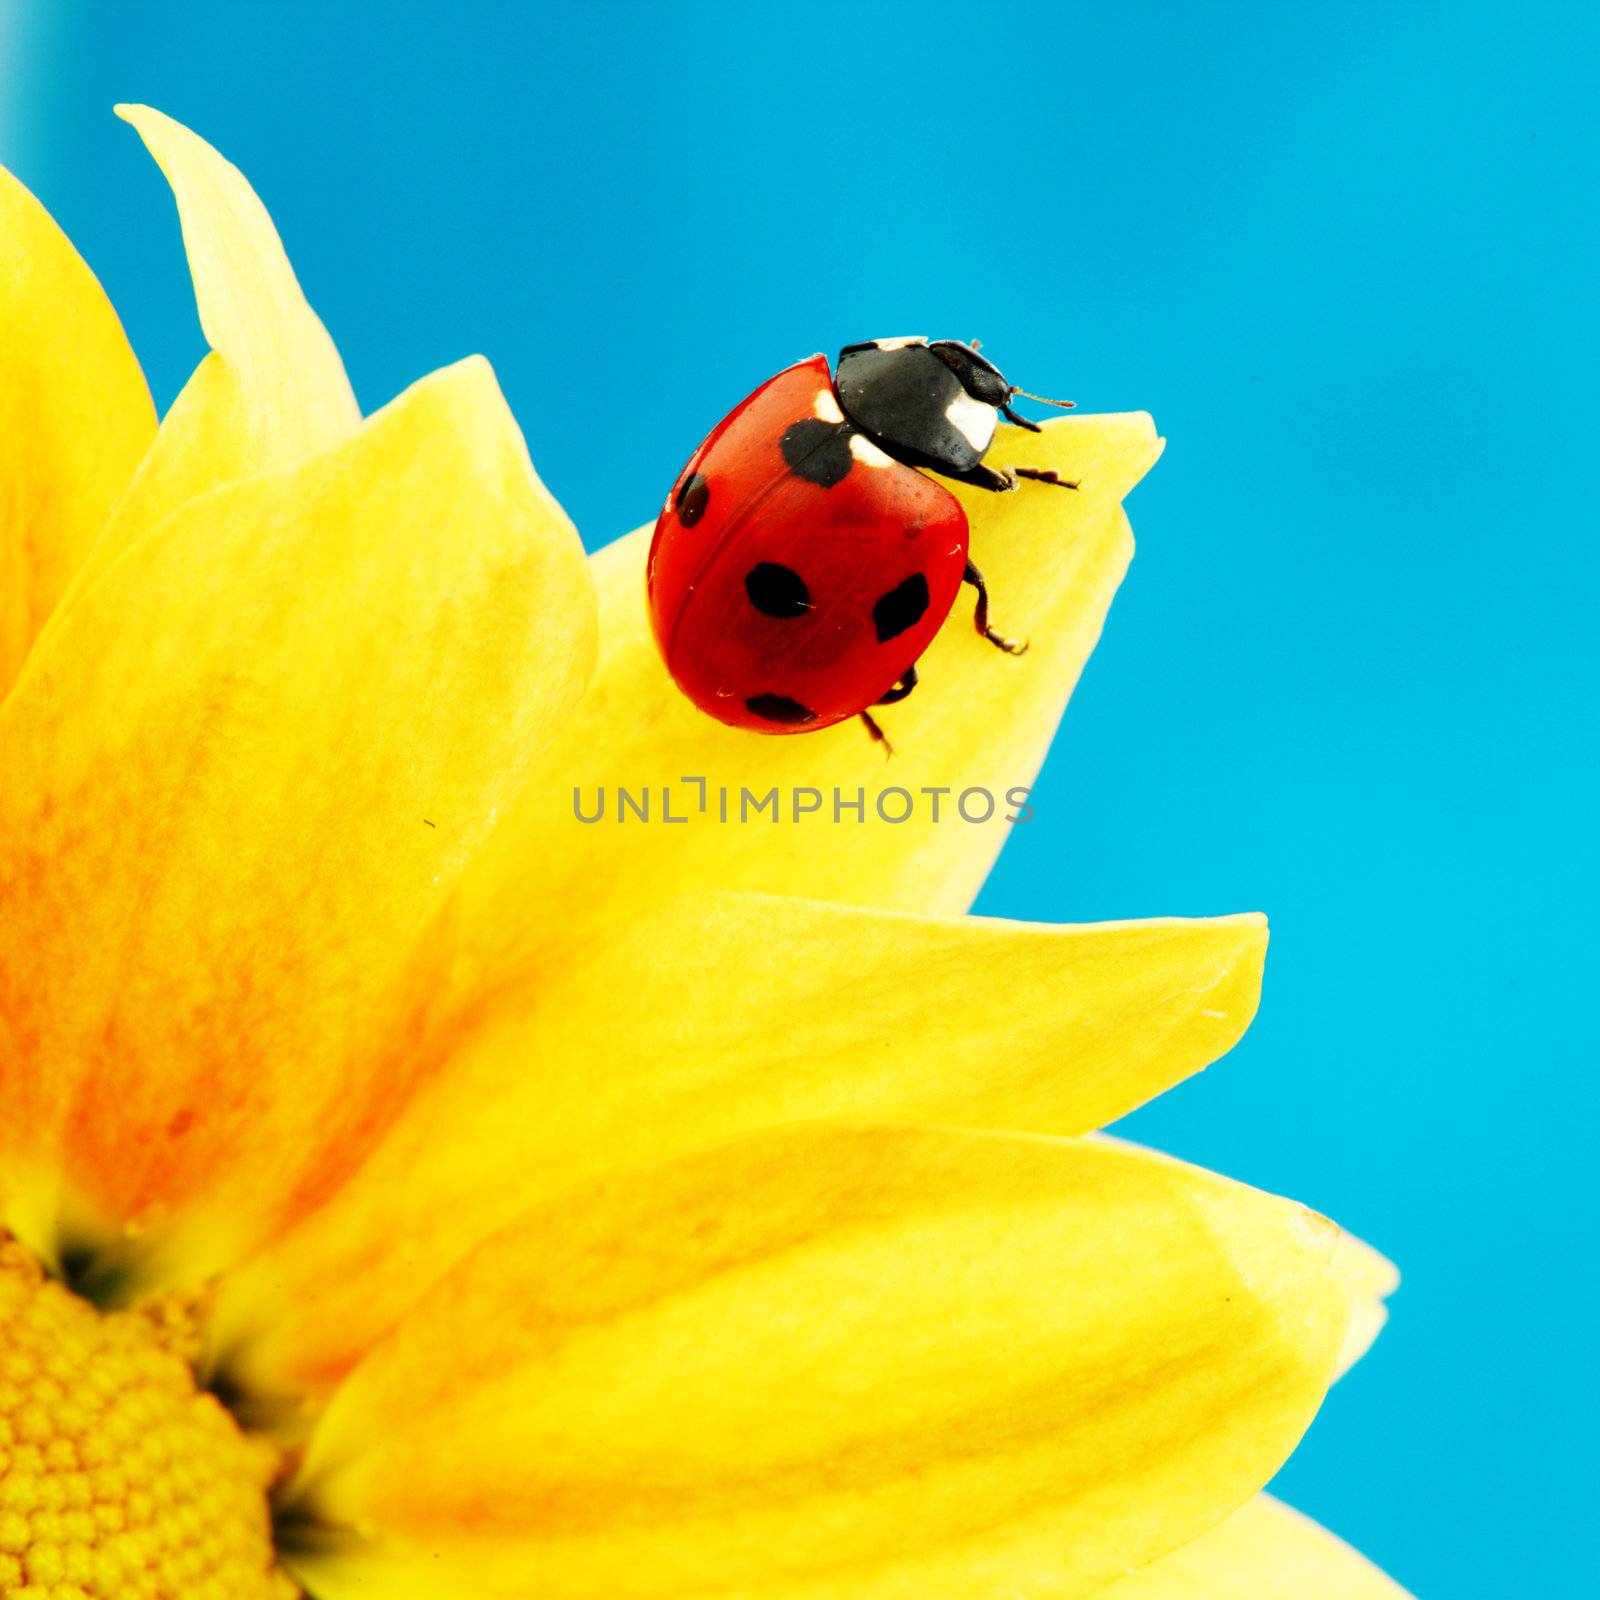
(409, 1190)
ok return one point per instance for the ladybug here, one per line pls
(807, 554)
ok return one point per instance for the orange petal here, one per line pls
(802, 1358)
(722, 1014)
(75, 417)
(981, 719)
(240, 776)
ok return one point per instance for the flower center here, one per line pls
(118, 1477)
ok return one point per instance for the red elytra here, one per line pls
(802, 563)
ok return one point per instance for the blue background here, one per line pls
(1347, 256)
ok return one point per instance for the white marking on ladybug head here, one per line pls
(900, 344)
(973, 420)
(867, 453)
(826, 407)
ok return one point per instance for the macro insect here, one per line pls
(807, 554)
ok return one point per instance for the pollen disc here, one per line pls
(118, 1476)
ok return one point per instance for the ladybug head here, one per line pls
(933, 405)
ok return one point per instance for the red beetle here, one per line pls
(805, 558)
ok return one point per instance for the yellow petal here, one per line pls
(723, 1014)
(1264, 1551)
(250, 303)
(980, 719)
(75, 417)
(1369, 1277)
(239, 778)
(824, 1350)
(1372, 1279)
(273, 390)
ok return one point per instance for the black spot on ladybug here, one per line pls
(818, 451)
(779, 708)
(777, 591)
(693, 498)
(901, 607)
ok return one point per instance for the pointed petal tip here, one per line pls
(1370, 1278)
(470, 407)
(1321, 1232)
(464, 406)
(147, 120)
(1157, 444)
(471, 377)
(1253, 922)
(1254, 934)
(1377, 1274)
(1130, 437)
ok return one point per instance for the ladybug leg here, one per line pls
(878, 736)
(1002, 480)
(980, 616)
(982, 477)
(1020, 421)
(907, 683)
(1043, 475)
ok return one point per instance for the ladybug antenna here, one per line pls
(1065, 405)
(1025, 422)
